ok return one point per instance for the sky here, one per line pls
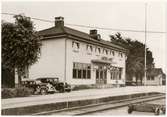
(116, 15)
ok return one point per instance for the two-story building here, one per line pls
(79, 58)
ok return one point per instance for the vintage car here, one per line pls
(47, 85)
(59, 86)
(157, 109)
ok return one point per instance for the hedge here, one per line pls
(16, 92)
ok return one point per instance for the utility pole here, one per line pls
(145, 52)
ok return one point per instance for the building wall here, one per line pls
(51, 62)
(84, 56)
(157, 80)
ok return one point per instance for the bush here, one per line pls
(23, 92)
(81, 87)
(8, 93)
(16, 92)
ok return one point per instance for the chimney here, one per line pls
(59, 21)
(93, 34)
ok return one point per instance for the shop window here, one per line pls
(120, 73)
(84, 73)
(81, 71)
(116, 73)
(74, 73)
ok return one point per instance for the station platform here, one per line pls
(77, 95)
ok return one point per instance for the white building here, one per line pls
(79, 58)
(155, 77)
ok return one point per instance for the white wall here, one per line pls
(51, 62)
(157, 81)
(83, 57)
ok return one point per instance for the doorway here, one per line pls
(101, 75)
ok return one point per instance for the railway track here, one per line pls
(84, 110)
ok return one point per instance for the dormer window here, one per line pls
(113, 53)
(120, 54)
(89, 48)
(99, 50)
(75, 46)
(106, 52)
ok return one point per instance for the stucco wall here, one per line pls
(51, 62)
(157, 81)
(82, 56)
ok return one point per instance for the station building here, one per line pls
(79, 58)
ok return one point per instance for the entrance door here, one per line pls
(101, 76)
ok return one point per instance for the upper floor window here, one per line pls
(99, 50)
(113, 53)
(105, 51)
(75, 46)
(120, 54)
(89, 49)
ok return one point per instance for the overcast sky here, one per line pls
(116, 15)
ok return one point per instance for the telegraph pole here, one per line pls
(145, 52)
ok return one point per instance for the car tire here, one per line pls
(61, 90)
(130, 109)
(43, 92)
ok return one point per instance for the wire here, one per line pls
(86, 26)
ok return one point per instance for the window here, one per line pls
(75, 46)
(152, 77)
(121, 55)
(81, 71)
(106, 51)
(99, 50)
(120, 73)
(116, 73)
(89, 48)
(113, 53)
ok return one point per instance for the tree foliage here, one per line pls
(20, 44)
(135, 58)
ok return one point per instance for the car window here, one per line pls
(55, 80)
(38, 81)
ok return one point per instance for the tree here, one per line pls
(135, 59)
(20, 44)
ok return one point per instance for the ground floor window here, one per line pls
(150, 78)
(116, 73)
(81, 70)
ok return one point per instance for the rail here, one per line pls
(83, 110)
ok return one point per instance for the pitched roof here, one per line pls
(54, 31)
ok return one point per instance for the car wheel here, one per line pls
(157, 111)
(130, 109)
(61, 90)
(43, 91)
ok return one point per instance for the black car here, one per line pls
(47, 85)
(59, 86)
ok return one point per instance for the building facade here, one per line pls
(155, 77)
(79, 58)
